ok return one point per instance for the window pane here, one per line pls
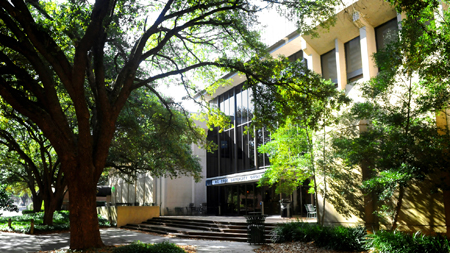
(353, 58)
(329, 69)
(226, 104)
(244, 95)
(231, 113)
(212, 160)
(239, 139)
(249, 145)
(239, 106)
(386, 33)
(225, 152)
(296, 56)
(266, 140)
(260, 141)
(250, 105)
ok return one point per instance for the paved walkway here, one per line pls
(15, 243)
(269, 219)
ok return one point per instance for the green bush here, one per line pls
(27, 211)
(337, 238)
(21, 223)
(396, 242)
(139, 247)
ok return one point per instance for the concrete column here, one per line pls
(368, 46)
(313, 57)
(400, 17)
(340, 64)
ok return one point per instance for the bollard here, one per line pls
(9, 223)
(32, 226)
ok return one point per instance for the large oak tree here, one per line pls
(47, 48)
(58, 55)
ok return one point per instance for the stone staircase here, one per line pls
(199, 228)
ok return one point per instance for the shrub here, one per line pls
(21, 223)
(139, 247)
(393, 242)
(337, 238)
(27, 211)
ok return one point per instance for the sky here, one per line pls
(273, 27)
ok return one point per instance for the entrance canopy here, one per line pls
(237, 178)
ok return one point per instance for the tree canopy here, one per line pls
(55, 69)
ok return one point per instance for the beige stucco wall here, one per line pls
(109, 213)
(123, 215)
(141, 191)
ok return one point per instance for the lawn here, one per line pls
(22, 223)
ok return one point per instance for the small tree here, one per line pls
(6, 203)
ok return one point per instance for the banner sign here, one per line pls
(230, 180)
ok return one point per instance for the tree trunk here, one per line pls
(59, 203)
(401, 194)
(37, 202)
(49, 209)
(84, 228)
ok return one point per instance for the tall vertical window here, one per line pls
(353, 60)
(386, 33)
(212, 159)
(239, 106)
(329, 68)
(237, 149)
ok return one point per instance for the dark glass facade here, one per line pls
(236, 144)
(237, 153)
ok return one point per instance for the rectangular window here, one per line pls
(239, 106)
(232, 105)
(212, 159)
(260, 141)
(353, 59)
(329, 68)
(240, 147)
(386, 33)
(266, 140)
(250, 105)
(249, 146)
(244, 106)
(296, 56)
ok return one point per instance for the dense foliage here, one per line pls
(355, 239)
(398, 242)
(139, 247)
(337, 238)
(6, 203)
(156, 138)
(405, 142)
(71, 66)
(22, 223)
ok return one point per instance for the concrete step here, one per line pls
(199, 229)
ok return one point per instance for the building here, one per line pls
(342, 54)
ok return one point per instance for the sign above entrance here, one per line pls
(234, 179)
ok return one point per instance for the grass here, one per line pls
(22, 223)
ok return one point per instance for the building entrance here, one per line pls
(242, 199)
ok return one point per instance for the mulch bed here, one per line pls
(296, 247)
(187, 248)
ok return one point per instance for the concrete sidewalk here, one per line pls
(15, 243)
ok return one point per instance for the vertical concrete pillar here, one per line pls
(313, 57)
(340, 64)
(368, 46)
